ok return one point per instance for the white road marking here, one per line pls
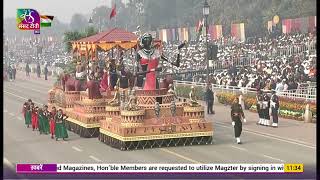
(77, 149)
(21, 97)
(31, 88)
(11, 114)
(183, 157)
(94, 158)
(8, 163)
(5, 111)
(270, 136)
(19, 118)
(273, 158)
(242, 149)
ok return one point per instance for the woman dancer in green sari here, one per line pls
(43, 120)
(28, 113)
(60, 128)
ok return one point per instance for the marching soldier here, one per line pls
(236, 116)
(274, 102)
(265, 109)
(259, 106)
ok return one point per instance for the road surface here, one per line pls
(260, 144)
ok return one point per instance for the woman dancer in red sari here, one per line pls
(52, 121)
(34, 118)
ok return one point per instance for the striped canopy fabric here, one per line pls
(304, 25)
(238, 32)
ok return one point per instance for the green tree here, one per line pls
(69, 37)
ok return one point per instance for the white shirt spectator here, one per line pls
(279, 87)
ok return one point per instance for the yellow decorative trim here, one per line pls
(112, 108)
(108, 119)
(153, 137)
(194, 120)
(193, 109)
(131, 124)
(133, 113)
(96, 125)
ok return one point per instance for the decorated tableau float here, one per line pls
(138, 107)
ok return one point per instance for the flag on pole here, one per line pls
(199, 28)
(46, 20)
(200, 25)
(113, 12)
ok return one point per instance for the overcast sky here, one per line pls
(62, 9)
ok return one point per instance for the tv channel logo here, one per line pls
(28, 19)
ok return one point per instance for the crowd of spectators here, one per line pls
(277, 63)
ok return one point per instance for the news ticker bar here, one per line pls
(158, 168)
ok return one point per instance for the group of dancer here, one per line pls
(44, 121)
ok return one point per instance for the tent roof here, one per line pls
(115, 34)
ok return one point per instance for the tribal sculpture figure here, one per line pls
(148, 57)
(157, 109)
(172, 91)
(173, 108)
(132, 103)
(193, 99)
(116, 99)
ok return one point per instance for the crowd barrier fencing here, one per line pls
(308, 95)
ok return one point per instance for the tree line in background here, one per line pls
(156, 14)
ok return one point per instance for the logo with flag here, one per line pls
(46, 20)
(113, 12)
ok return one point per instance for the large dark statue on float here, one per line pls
(93, 87)
(78, 83)
(148, 58)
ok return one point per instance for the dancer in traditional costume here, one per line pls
(60, 129)
(44, 115)
(24, 110)
(52, 121)
(28, 113)
(34, 118)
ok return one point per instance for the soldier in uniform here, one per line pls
(265, 109)
(274, 102)
(236, 116)
(259, 106)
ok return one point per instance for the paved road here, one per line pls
(22, 145)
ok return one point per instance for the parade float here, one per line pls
(145, 115)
